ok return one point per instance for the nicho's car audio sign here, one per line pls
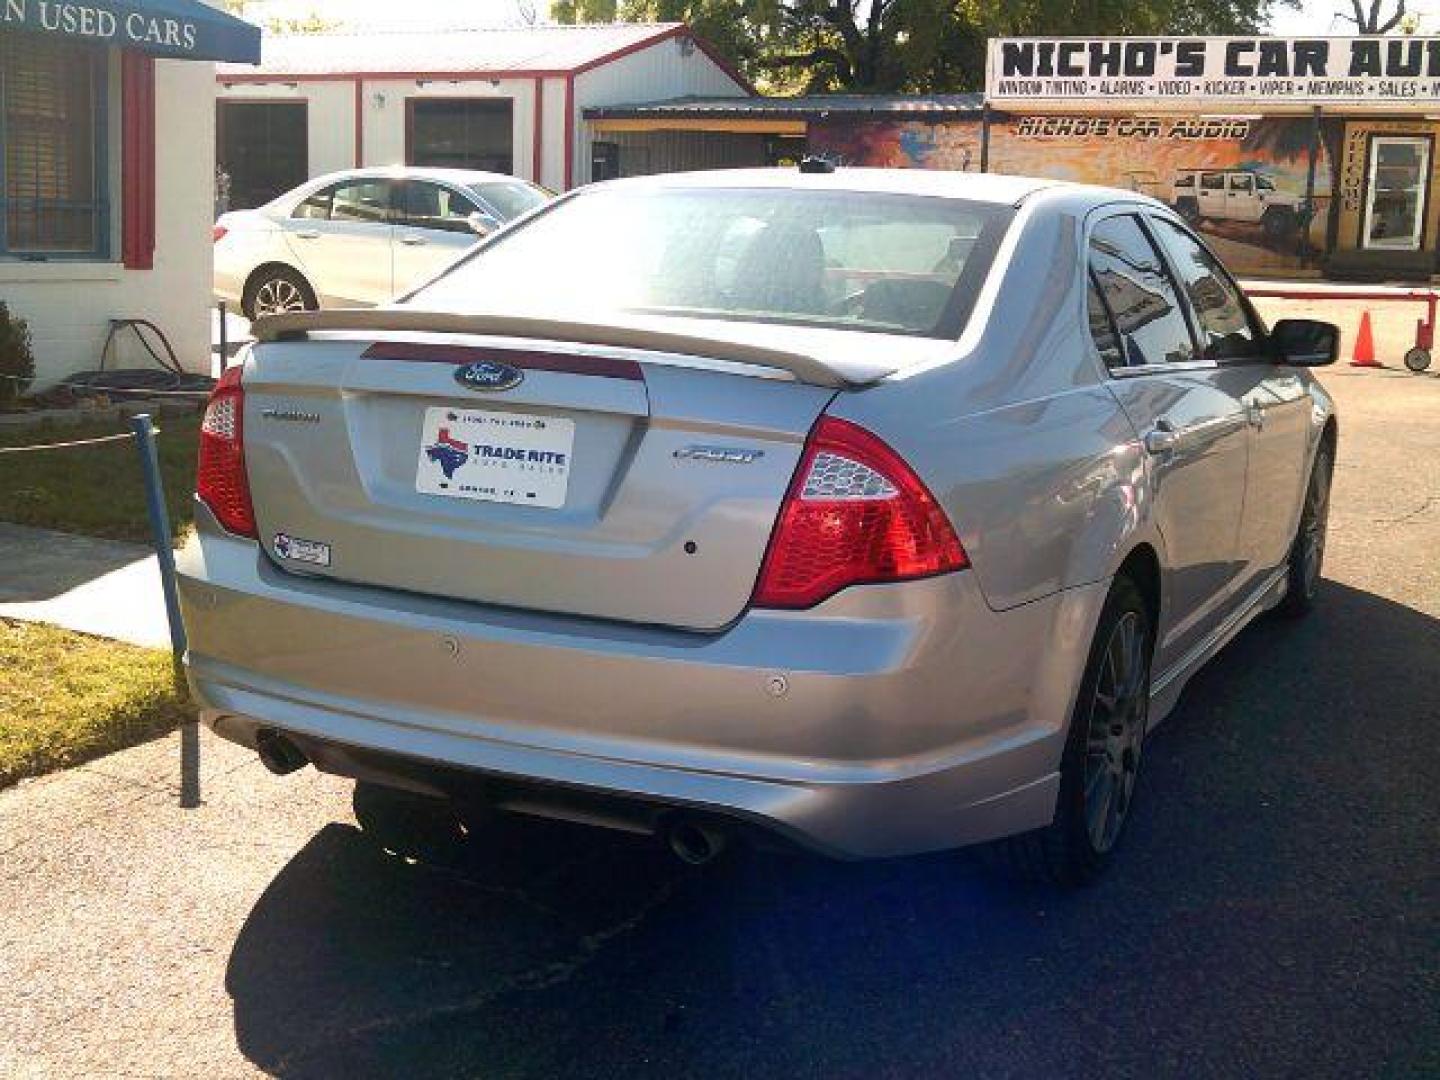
(1231, 70)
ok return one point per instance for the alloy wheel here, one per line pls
(278, 296)
(1118, 716)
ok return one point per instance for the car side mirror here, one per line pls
(1304, 342)
(482, 224)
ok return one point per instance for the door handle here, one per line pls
(307, 234)
(413, 241)
(1162, 438)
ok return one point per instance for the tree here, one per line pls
(1370, 18)
(313, 23)
(877, 46)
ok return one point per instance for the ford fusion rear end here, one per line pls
(623, 531)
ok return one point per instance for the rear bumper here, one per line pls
(889, 720)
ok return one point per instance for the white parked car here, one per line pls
(361, 237)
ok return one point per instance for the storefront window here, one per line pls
(52, 148)
(1399, 175)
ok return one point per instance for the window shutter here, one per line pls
(49, 181)
(137, 134)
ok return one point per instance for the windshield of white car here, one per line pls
(843, 260)
(510, 200)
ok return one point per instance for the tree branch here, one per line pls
(1394, 20)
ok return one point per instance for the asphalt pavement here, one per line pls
(1276, 911)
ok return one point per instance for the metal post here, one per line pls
(985, 138)
(159, 528)
(224, 336)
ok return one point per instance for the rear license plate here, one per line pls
(503, 457)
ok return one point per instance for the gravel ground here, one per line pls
(1277, 912)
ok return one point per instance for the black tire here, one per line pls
(1189, 210)
(407, 824)
(1307, 552)
(1071, 850)
(275, 289)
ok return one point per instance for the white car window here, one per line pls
(430, 206)
(366, 200)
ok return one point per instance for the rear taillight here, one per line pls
(220, 480)
(218, 233)
(855, 513)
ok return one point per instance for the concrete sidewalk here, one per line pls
(102, 587)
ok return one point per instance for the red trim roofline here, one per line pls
(679, 30)
(519, 73)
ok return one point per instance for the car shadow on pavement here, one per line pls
(1275, 881)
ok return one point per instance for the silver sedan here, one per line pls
(878, 512)
(361, 237)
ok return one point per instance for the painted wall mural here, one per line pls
(899, 144)
(1241, 181)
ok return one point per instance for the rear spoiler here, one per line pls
(296, 326)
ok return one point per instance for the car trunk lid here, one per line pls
(608, 482)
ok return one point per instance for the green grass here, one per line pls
(67, 698)
(96, 490)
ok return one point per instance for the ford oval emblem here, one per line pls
(488, 376)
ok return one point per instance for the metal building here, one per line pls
(508, 100)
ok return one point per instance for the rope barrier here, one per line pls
(110, 391)
(97, 441)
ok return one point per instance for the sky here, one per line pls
(383, 12)
(1319, 17)
(1313, 17)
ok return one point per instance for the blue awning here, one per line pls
(179, 29)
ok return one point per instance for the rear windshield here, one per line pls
(511, 199)
(843, 260)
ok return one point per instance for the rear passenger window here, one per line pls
(1102, 330)
(1139, 294)
(1225, 326)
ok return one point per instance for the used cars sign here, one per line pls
(185, 29)
(1240, 70)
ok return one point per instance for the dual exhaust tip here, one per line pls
(278, 753)
(693, 842)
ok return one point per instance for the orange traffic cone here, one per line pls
(1364, 355)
